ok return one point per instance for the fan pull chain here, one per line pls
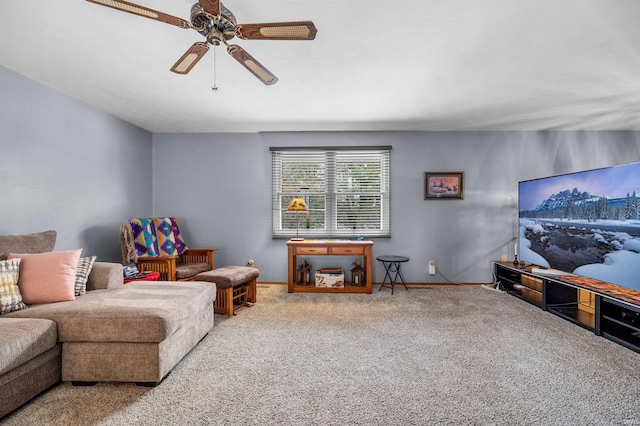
(215, 85)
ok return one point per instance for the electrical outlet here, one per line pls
(504, 257)
(432, 267)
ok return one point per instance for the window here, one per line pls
(347, 191)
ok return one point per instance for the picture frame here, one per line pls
(444, 185)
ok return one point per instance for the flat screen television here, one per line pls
(585, 223)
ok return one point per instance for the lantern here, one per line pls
(303, 273)
(357, 274)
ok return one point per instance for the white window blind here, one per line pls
(347, 191)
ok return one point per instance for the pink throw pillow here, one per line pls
(47, 277)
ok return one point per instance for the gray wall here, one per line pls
(67, 166)
(70, 167)
(219, 184)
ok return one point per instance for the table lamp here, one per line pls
(297, 205)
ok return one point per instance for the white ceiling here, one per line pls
(374, 65)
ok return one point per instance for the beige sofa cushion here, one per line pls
(136, 312)
(24, 339)
(40, 242)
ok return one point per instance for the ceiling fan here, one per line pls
(214, 21)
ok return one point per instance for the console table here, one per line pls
(606, 309)
(362, 249)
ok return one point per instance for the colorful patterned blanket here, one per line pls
(158, 236)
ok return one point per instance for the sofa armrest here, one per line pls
(105, 275)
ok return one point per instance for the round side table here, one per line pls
(392, 265)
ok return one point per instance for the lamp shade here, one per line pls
(297, 205)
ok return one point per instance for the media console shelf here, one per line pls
(620, 323)
(606, 309)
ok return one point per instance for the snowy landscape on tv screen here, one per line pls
(585, 223)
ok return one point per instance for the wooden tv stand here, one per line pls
(606, 309)
(362, 249)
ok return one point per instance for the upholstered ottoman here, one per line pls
(235, 286)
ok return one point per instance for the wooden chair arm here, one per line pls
(199, 255)
(165, 265)
(157, 258)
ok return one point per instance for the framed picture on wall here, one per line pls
(443, 185)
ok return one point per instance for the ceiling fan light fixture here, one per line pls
(218, 25)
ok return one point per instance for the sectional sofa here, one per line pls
(114, 333)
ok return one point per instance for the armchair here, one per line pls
(156, 244)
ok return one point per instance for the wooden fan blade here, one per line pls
(255, 67)
(190, 58)
(302, 30)
(143, 11)
(212, 7)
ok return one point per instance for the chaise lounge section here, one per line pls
(30, 360)
(134, 333)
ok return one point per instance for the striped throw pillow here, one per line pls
(82, 274)
(10, 297)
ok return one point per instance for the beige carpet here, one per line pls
(438, 355)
